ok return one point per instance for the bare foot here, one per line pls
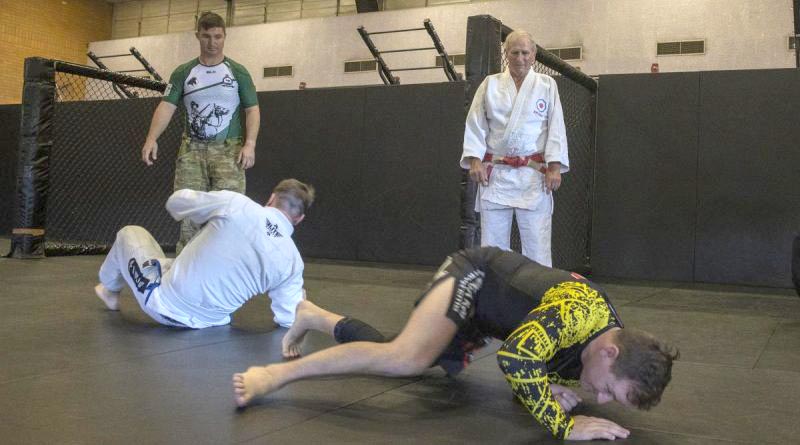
(111, 299)
(304, 316)
(256, 381)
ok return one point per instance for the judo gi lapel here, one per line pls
(511, 135)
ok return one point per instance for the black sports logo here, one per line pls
(136, 274)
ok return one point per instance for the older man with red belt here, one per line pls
(515, 146)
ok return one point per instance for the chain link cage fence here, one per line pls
(94, 181)
(572, 213)
(100, 127)
(573, 201)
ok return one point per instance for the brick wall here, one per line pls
(56, 29)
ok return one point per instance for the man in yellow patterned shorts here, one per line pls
(559, 329)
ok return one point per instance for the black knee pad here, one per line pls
(350, 329)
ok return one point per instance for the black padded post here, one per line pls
(366, 6)
(9, 141)
(33, 158)
(483, 57)
(483, 51)
(796, 5)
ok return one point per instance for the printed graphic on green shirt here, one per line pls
(213, 97)
(210, 95)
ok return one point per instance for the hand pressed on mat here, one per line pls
(589, 428)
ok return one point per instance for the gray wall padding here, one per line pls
(697, 177)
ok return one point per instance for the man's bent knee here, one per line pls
(131, 230)
(402, 361)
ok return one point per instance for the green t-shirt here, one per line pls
(213, 97)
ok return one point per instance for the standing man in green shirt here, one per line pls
(214, 89)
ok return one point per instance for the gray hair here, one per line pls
(516, 35)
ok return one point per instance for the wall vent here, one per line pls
(358, 66)
(457, 59)
(278, 71)
(568, 53)
(681, 47)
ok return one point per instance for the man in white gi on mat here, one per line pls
(243, 250)
(515, 147)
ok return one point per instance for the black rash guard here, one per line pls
(546, 317)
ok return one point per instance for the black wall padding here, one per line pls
(9, 140)
(697, 176)
(645, 176)
(316, 137)
(384, 162)
(98, 183)
(749, 176)
(410, 208)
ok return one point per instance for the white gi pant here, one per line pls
(535, 227)
(136, 249)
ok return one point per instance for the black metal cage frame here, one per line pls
(36, 142)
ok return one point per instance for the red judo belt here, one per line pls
(535, 161)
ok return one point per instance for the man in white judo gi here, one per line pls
(243, 250)
(515, 147)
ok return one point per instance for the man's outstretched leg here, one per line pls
(425, 336)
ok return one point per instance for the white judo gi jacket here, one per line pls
(504, 122)
(243, 250)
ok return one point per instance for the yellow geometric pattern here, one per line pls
(570, 313)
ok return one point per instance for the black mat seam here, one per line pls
(730, 366)
(766, 344)
(385, 283)
(646, 297)
(323, 413)
(113, 362)
(699, 436)
(743, 313)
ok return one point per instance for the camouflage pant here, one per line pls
(207, 166)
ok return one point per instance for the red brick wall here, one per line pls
(56, 29)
